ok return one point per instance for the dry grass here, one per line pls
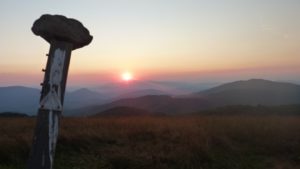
(210, 142)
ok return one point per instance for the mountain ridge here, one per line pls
(87, 102)
(253, 92)
(245, 92)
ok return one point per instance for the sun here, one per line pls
(127, 76)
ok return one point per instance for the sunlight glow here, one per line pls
(126, 76)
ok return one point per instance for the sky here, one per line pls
(178, 40)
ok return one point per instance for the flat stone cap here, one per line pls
(61, 28)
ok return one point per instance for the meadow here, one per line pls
(190, 142)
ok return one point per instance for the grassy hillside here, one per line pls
(207, 142)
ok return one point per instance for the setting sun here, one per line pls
(126, 76)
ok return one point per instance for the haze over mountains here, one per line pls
(140, 88)
(26, 100)
(155, 100)
(250, 92)
(19, 99)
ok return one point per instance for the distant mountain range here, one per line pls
(87, 102)
(19, 99)
(253, 92)
(26, 100)
(136, 88)
(250, 92)
(84, 97)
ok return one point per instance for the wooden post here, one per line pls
(64, 35)
(51, 104)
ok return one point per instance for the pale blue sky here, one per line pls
(153, 37)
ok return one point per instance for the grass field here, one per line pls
(195, 142)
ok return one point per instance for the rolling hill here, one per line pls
(253, 92)
(122, 111)
(84, 97)
(156, 104)
(250, 92)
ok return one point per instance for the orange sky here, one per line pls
(159, 40)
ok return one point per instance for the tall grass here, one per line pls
(195, 142)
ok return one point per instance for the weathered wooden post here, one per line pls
(64, 35)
